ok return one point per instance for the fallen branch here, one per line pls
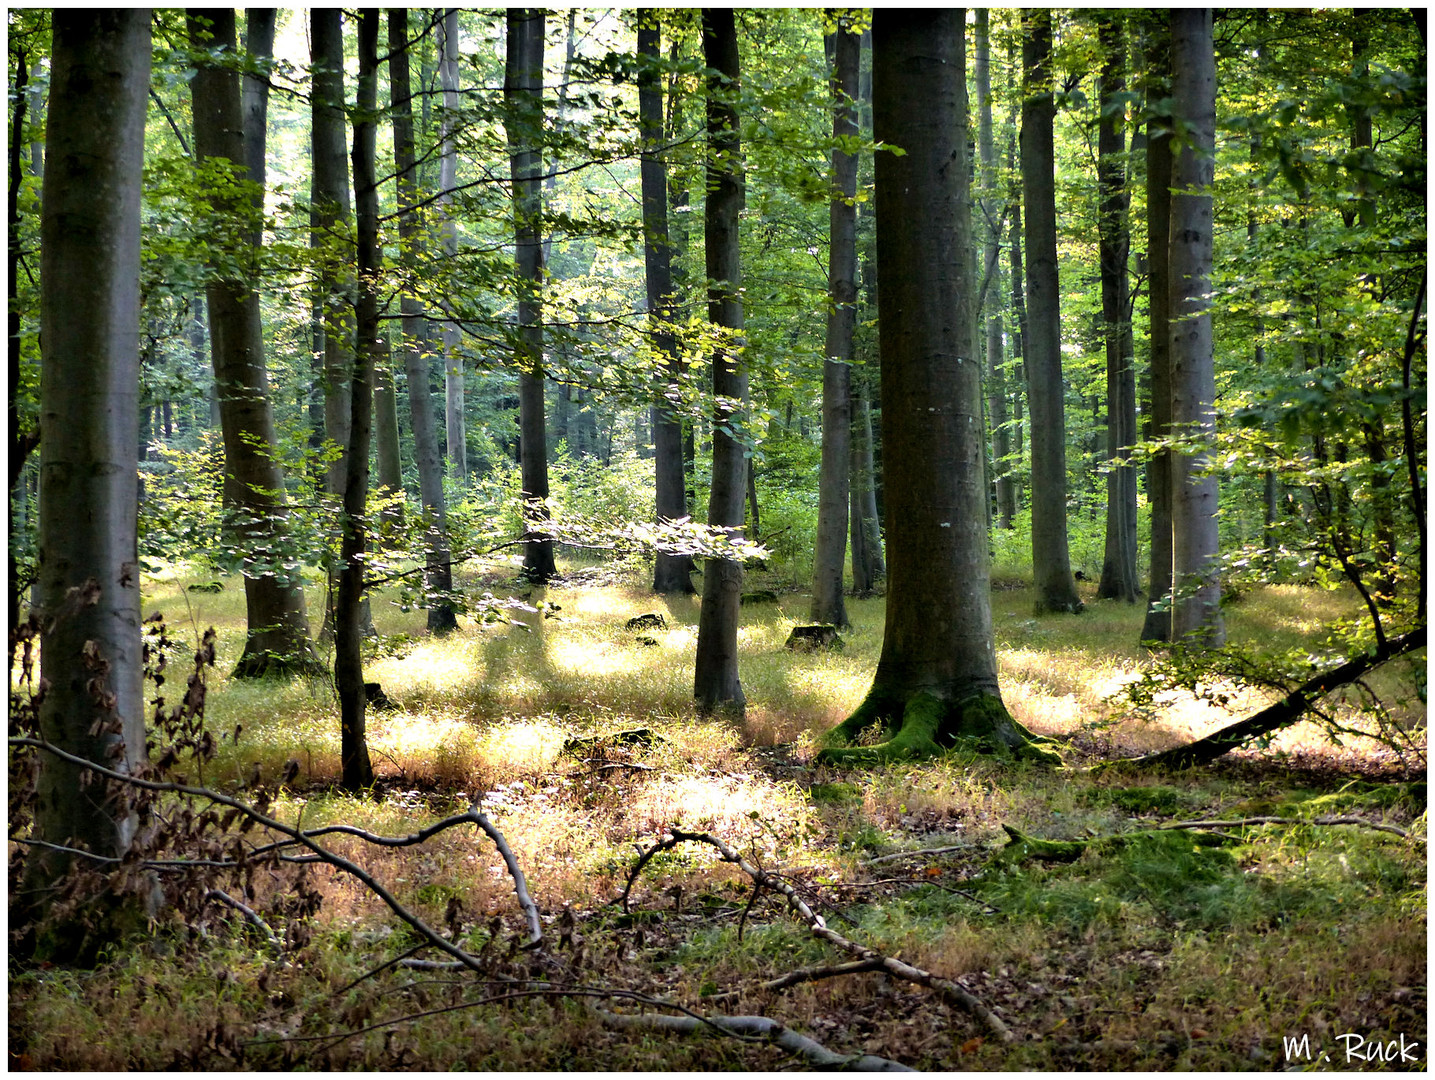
(250, 916)
(922, 853)
(335, 860)
(1241, 822)
(1283, 713)
(781, 1036)
(948, 989)
(810, 974)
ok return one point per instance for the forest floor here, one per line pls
(1294, 944)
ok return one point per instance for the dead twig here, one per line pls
(948, 989)
(779, 1034)
(250, 916)
(916, 854)
(804, 975)
(1237, 823)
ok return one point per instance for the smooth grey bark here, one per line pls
(329, 229)
(1195, 536)
(89, 406)
(936, 679)
(1017, 326)
(438, 574)
(671, 573)
(259, 43)
(523, 121)
(386, 428)
(356, 771)
(715, 676)
(1051, 556)
(278, 625)
(1118, 566)
(454, 423)
(844, 56)
(1157, 625)
(868, 565)
(995, 338)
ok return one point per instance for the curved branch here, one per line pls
(948, 989)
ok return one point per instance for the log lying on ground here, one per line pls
(1284, 712)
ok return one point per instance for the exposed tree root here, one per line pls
(953, 992)
(925, 725)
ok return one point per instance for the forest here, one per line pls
(706, 538)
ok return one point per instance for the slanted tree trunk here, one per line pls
(1118, 567)
(438, 575)
(89, 406)
(1157, 626)
(1195, 537)
(995, 339)
(278, 633)
(447, 179)
(936, 680)
(671, 573)
(357, 773)
(523, 120)
(1285, 712)
(834, 478)
(715, 677)
(1051, 557)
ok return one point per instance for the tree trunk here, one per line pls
(715, 677)
(671, 573)
(278, 641)
(386, 430)
(330, 221)
(454, 425)
(991, 212)
(523, 120)
(1051, 558)
(89, 571)
(357, 773)
(936, 679)
(844, 51)
(1018, 322)
(259, 43)
(1196, 610)
(1118, 568)
(438, 575)
(1159, 159)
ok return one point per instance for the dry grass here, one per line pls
(1104, 963)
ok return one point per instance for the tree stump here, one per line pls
(816, 636)
(650, 621)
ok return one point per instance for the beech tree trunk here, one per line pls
(523, 120)
(330, 220)
(936, 679)
(357, 773)
(844, 52)
(438, 574)
(671, 573)
(715, 676)
(1118, 567)
(1195, 537)
(995, 338)
(1157, 626)
(89, 406)
(454, 425)
(386, 428)
(1051, 557)
(278, 633)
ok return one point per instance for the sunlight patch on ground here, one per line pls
(582, 657)
(427, 668)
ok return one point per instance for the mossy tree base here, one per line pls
(924, 725)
